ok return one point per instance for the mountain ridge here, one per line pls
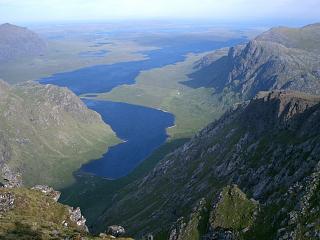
(244, 147)
(269, 62)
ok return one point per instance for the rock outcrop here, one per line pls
(6, 202)
(76, 216)
(10, 179)
(48, 191)
(75, 213)
(116, 231)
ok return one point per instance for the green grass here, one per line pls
(234, 210)
(36, 216)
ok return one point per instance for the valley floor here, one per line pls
(163, 88)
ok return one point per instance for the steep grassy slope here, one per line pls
(281, 58)
(231, 215)
(30, 214)
(233, 210)
(46, 133)
(268, 147)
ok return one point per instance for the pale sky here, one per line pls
(232, 10)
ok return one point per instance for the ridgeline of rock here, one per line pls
(46, 133)
(36, 214)
(18, 42)
(253, 174)
(281, 58)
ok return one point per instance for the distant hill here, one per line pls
(46, 133)
(281, 58)
(307, 38)
(253, 174)
(18, 42)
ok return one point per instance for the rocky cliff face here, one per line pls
(46, 133)
(19, 42)
(281, 58)
(268, 149)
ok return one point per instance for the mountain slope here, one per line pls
(269, 147)
(19, 42)
(282, 58)
(46, 133)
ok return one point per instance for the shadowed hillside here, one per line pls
(46, 133)
(268, 147)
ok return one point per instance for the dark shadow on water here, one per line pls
(94, 194)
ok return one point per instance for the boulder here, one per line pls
(6, 201)
(76, 216)
(116, 230)
(48, 191)
(9, 178)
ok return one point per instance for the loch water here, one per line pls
(142, 129)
